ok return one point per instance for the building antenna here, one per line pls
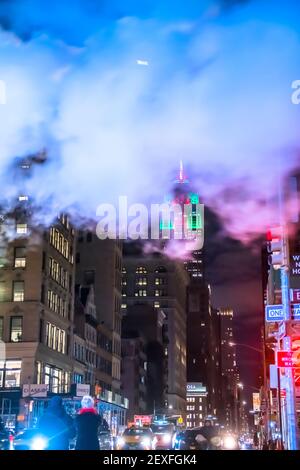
(181, 171)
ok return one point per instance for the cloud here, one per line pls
(216, 93)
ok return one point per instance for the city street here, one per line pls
(149, 229)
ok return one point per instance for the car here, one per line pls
(29, 439)
(136, 438)
(193, 439)
(4, 440)
(105, 440)
(164, 434)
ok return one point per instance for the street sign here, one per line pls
(295, 265)
(275, 312)
(82, 390)
(256, 401)
(35, 390)
(285, 359)
(295, 295)
(273, 376)
(283, 393)
(281, 330)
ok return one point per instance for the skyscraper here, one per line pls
(99, 263)
(228, 366)
(161, 283)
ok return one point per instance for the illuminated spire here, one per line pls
(181, 177)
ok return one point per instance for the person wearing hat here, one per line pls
(87, 425)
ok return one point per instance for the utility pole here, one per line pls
(280, 260)
(287, 345)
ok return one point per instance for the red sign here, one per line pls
(285, 359)
(283, 393)
(142, 420)
(295, 295)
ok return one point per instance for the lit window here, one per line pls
(18, 291)
(20, 259)
(23, 198)
(10, 373)
(123, 305)
(21, 228)
(141, 270)
(156, 304)
(16, 329)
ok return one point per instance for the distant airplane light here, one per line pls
(142, 62)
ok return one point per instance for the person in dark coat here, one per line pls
(87, 425)
(57, 426)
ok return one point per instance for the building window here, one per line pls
(23, 198)
(141, 293)
(159, 293)
(10, 373)
(20, 258)
(123, 305)
(16, 327)
(156, 304)
(141, 281)
(2, 291)
(57, 380)
(141, 270)
(55, 338)
(89, 237)
(77, 378)
(21, 228)
(18, 291)
(1, 328)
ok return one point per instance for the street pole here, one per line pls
(287, 345)
(279, 407)
(286, 306)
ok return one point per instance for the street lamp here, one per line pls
(231, 344)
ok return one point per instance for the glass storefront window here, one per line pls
(10, 373)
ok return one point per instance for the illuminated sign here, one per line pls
(285, 359)
(195, 387)
(295, 265)
(35, 390)
(256, 401)
(142, 420)
(275, 312)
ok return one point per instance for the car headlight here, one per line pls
(167, 438)
(229, 442)
(120, 442)
(146, 442)
(38, 443)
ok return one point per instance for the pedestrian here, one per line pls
(57, 426)
(265, 445)
(255, 440)
(87, 425)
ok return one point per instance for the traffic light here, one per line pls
(275, 247)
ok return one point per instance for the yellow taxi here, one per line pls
(136, 438)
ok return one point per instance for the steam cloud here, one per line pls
(117, 95)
